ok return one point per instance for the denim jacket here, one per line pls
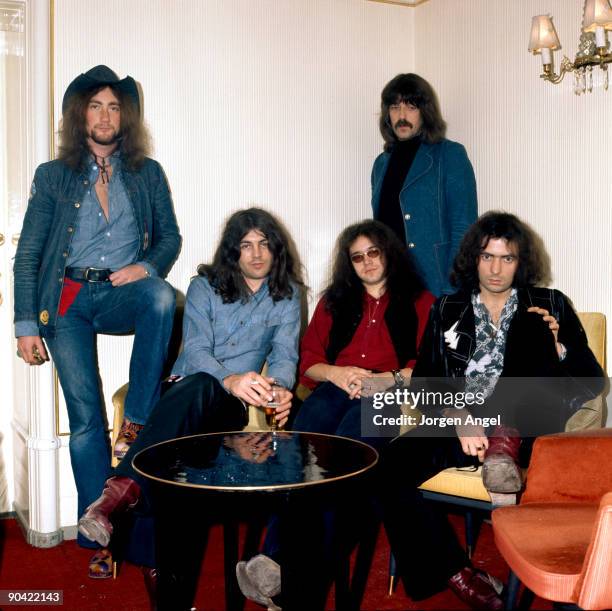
(48, 228)
(438, 202)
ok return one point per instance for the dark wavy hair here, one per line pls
(224, 272)
(134, 138)
(532, 267)
(345, 287)
(411, 89)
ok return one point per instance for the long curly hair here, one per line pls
(345, 288)
(533, 267)
(224, 272)
(134, 138)
(411, 89)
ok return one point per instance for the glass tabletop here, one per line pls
(255, 460)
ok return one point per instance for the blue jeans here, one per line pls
(330, 410)
(145, 307)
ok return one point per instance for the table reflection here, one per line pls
(254, 460)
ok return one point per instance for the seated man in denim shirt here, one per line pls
(241, 310)
(98, 237)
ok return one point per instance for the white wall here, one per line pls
(538, 150)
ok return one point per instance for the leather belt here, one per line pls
(88, 274)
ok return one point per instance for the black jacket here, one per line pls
(530, 347)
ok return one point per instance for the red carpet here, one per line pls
(64, 567)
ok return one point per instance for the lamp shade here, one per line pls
(543, 34)
(597, 13)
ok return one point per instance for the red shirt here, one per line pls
(371, 346)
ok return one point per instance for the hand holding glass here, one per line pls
(270, 407)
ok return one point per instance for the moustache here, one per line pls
(403, 123)
(110, 138)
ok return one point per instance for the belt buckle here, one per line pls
(92, 269)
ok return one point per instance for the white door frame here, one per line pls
(38, 511)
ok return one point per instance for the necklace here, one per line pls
(103, 167)
(372, 312)
(493, 329)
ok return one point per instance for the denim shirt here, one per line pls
(99, 242)
(49, 227)
(232, 338)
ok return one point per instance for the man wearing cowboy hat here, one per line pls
(98, 237)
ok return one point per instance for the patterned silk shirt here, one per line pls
(487, 362)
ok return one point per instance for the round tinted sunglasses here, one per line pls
(372, 253)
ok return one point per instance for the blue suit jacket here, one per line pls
(438, 201)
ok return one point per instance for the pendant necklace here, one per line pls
(493, 329)
(103, 167)
(372, 313)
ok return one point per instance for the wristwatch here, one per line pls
(398, 377)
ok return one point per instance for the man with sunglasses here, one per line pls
(423, 185)
(367, 324)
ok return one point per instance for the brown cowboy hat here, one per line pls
(101, 75)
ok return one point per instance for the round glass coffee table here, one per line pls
(202, 479)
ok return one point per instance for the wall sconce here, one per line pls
(592, 49)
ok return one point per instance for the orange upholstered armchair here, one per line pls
(558, 541)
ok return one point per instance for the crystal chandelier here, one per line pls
(11, 30)
(593, 49)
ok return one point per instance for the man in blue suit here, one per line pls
(423, 185)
